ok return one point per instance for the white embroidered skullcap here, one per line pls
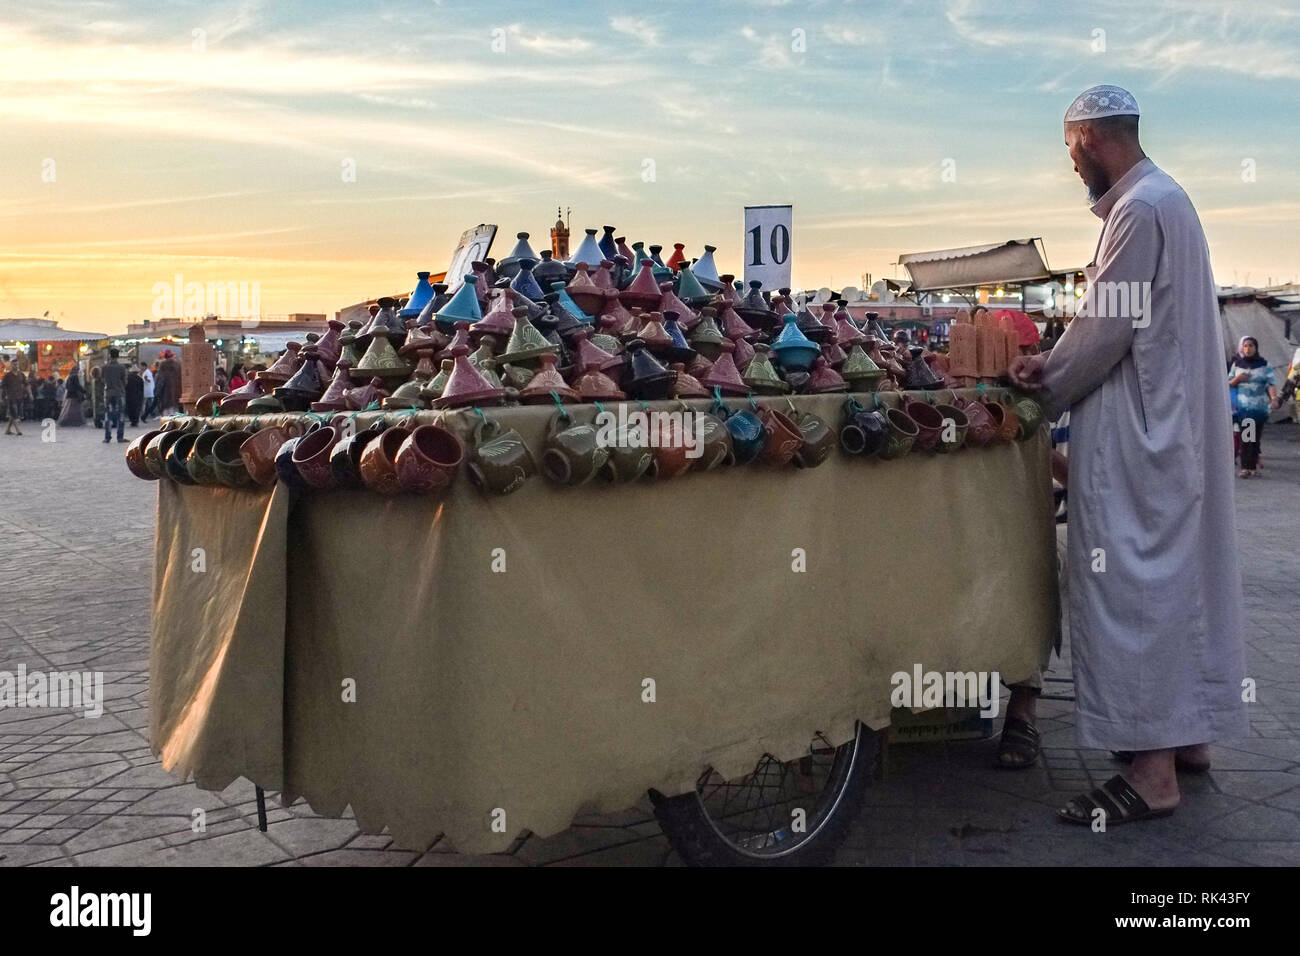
(1101, 101)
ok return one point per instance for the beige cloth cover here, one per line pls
(523, 690)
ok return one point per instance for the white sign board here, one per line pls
(767, 245)
(472, 247)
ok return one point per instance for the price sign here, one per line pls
(767, 245)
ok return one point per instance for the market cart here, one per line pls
(476, 666)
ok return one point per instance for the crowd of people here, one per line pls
(115, 394)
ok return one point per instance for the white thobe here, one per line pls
(1154, 588)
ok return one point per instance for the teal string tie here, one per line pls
(752, 403)
(560, 405)
(599, 407)
(372, 406)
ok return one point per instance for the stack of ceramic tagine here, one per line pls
(612, 322)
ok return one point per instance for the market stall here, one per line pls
(491, 656)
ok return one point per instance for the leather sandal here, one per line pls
(1118, 802)
(1019, 745)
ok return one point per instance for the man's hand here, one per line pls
(1060, 469)
(1026, 372)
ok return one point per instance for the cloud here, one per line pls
(638, 28)
(547, 43)
(773, 49)
(848, 36)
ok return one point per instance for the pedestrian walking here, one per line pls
(72, 415)
(146, 377)
(1158, 659)
(167, 382)
(134, 395)
(1256, 391)
(97, 395)
(49, 402)
(30, 406)
(237, 379)
(114, 397)
(14, 385)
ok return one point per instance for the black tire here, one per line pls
(697, 838)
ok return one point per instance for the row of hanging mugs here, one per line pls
(393, 454)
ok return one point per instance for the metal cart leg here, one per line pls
(261, 808)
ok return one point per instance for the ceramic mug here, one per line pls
(135, 459)
(900, 433)
(863, 432)
(155, 450)
(379, 461)
(200, 463)
(1030, 415)
(929, 425)
(1005, 419)
(818, 440)
(500, 462)
(284, 468)
(983, 429)
(629, 458)
(747, 435)
(259, 451)
(229, 465)
(671, 456)
(429, 459)
(345, 456)
(311, 457)
(784, 438)
(176, 458)
(955, 426)
(716, 441)
(573, 454)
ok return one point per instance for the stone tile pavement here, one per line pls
(75, 550)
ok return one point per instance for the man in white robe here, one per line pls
(1155, 604)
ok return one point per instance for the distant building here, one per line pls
(236, 340)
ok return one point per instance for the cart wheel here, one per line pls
(779, 814)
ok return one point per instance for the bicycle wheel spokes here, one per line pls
(757, 812)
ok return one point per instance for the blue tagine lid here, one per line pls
(792, 349)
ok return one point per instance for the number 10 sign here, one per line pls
(767, 245)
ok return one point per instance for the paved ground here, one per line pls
(75, 547)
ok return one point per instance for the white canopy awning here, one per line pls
(1018, 260)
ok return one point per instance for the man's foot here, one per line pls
(1019, 744)
(1116, 801)
(107, 440)
(1244, 473)
(1194, 758)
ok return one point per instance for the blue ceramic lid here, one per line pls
(463, 306)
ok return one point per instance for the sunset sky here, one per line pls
(142, 140)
